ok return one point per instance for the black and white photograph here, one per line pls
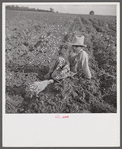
(60, 59)
(60, 62)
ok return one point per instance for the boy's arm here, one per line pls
(59, 65)
(84, 63)
(52, 67)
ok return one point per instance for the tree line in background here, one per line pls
(15, 7)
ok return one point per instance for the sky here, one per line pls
(79, 8)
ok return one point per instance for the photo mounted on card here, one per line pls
(60, 59)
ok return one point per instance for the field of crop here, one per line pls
(33, 40)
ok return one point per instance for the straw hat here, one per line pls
(78, 41)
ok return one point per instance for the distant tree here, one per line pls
(51, 10)
(91, 13)
(8, 7)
